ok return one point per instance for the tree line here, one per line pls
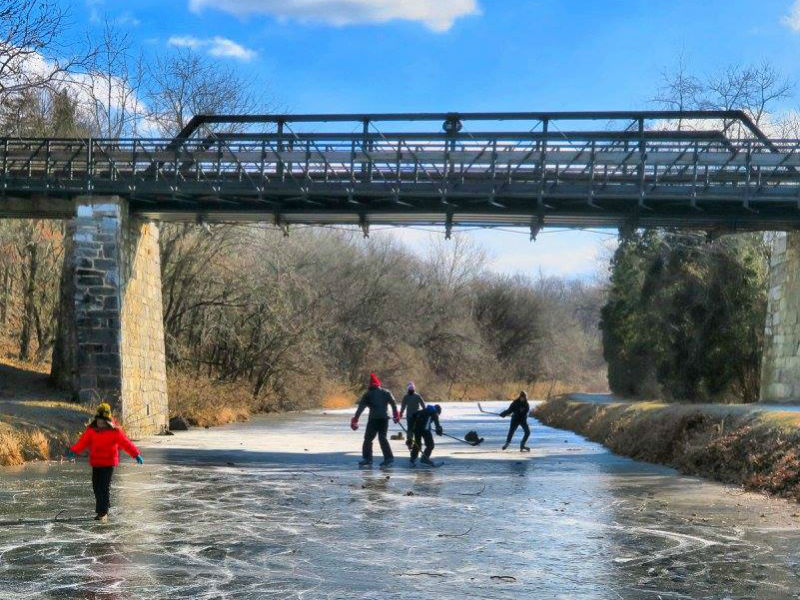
(295, 319)
(316, 312)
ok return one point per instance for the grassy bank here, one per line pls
(38, 430)
(732, 444)
(36, 422)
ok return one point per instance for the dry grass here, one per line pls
(733, 444)
(21, 445)
(10, 449)
(206, 403)
(35, 445)
(335, 400)
(334, 397)
(510, 390)
(35, 422)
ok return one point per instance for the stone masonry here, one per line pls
(118, 314)
(144, 371)
(780, 366)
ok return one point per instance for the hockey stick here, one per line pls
(487, 412)
(462, 440)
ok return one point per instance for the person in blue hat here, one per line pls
(421, 424)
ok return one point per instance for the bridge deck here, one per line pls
(408, 172)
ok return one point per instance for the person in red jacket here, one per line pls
(104, 439)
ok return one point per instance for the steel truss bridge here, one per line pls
(702, 169)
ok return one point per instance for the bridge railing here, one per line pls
(624, 167)
(345, 156)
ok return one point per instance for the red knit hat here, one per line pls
(374, 381)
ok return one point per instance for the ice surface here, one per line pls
(276, 508)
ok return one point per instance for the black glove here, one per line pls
(438, 431)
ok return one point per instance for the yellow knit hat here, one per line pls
(104, 410)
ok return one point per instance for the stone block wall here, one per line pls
(780, 366)
(119, 332)
(144, 373)
(95, 260)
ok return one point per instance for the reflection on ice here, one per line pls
(245, 512)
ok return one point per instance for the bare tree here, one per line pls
(111, 87)
(787, 126)
(679, 90)
(184, 84)
(755, 89)
(31, 49)
(767, 87)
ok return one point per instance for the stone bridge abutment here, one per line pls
(111, 336)
(780, 363)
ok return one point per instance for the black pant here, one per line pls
(101, 483)
(377, 427)
(515, 422)
(410, 425)
(416, 444)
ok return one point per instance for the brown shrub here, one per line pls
(338, 396)
(205, 403)
(10, 450)
(35, 445)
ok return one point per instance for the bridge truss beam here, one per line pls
(689, 169)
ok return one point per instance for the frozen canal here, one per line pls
(276, 508)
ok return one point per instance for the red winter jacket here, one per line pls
(104, 445)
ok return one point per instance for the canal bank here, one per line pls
(749, 445)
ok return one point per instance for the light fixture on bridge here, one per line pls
(452, 124)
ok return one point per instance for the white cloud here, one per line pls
(127, 18)
(216, 46)
(185, 41)
(792, 19)
(436, 15)
(221, 46)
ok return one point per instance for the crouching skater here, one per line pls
(104, 439)
(420, 430)
(519, 410)
(378, 401)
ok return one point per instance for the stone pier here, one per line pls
(115, 277)
(780, 366)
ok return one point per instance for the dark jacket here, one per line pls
(378, 401)
(412, 403)
(518, 409)
(422, 420)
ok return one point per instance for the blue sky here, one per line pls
(467, 55)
